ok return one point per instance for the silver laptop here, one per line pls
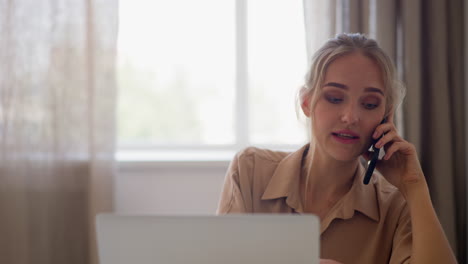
(246, 239)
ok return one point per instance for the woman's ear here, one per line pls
(305, 103)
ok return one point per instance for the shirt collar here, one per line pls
(361, 197)
(285, 182)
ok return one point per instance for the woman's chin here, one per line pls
(346, 157)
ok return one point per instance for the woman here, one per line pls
(349, 98)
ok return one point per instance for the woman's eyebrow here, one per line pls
(343, 86)
(374, 90)
(338, 85)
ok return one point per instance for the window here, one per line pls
(209, 74)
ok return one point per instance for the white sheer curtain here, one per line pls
(57, 119)
(319, 19)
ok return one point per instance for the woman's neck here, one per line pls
(325, 180)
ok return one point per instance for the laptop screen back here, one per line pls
(226, 239)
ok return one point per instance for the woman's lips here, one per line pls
(345, 136)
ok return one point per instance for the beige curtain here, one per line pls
(425, 39)
(57, 105)
(442, 122)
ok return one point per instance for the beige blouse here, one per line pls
(370, 224)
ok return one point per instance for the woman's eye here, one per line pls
(370, 106)
(334, 99)
(370, 103)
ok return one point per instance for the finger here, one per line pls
(396, 146)
(382, 129)
(387, 145)
(389, 137)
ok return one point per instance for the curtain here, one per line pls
(57, 127)
(425, 39)
(442, 123)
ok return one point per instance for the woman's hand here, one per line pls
(400, 165)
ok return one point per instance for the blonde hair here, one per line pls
(344, 44)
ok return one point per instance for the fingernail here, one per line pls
(375, 134)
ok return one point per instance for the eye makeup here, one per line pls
(371, 102)
(333, 97)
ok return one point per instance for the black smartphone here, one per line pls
(374, 158)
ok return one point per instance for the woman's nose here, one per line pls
(350, 115)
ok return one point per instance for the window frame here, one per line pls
(164, 155)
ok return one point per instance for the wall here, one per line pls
(169, 187)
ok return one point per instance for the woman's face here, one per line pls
(350, 105)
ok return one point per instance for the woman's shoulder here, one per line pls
(390, 199)
(385, 188)
(264, 154)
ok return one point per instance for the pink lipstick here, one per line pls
(345, 136)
